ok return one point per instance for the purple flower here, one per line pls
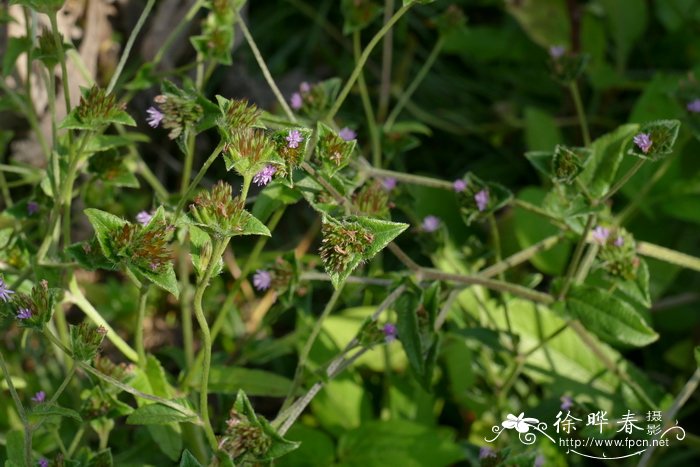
(431, 223)
(459, 185)
(5, 292)
(601, 234)
(144, 217)
(539, 461)
(347, 134)
(24, 313)
(155, 116)
(486, 452)
(566, 403)
(694, 106)
(389, 330)
(643, 141)
(296, 101)
(294, 138)
(264, 177)
(482, 199)
(32, 208)
(389, 183)
(262, 280)
(557, 51)
(43, 462)
(304, 87)
(153, 266)
(39, 397)
(619, 241)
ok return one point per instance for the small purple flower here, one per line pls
(32, 208)
(539, 461)
(557, 51)
(304, 87)
(643, 141)
(262, 280)
(389, 183)
(296, 101)
(347, 134)
(153, 266)
(566, 403)
(24, 313)
(619, 241)
(431, 223)
(155, 116)
(459, 185)
(43, 462)
(694, 106)
(601, 234)
(486, 452)
(294, 138)
(389, 330)
(5, 292)
(39, 397)
(264, 177)
(482, 199)
(144, 217)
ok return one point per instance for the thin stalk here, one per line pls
(247, 179)
(625, 178)
(76, 442)
(219, 245)
(367, 105)
(573, 88)
(138, 335)
(521, 256)
(59, 391)
(129, 44)
(266, 71)
(62, 59)
(198, 178)
(387, 53)
(306, 350)
(363, 59)
(496, 238)
(407, 178)
(189, 16)
(630, 209)
(20, 411)
(573, 265)
(411, 88)
(668, 255)
(186, 309)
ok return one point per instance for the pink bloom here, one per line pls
(643, 141)
(294, 138)
(5, 292)
(486, 452)
(32, 208)
(347, 134)
(144, 217)
(431, 224)
(264, 177)
(262, 280)
(389, 183)
(24, 313)
(482, 200)
(389, 330)
(601, 234)
(39, 397)
(459, 185)
(304, 87)
(694, 106)
(296, 101)
(557, 51)
(155, 116)
(566, 403)
(619, 241)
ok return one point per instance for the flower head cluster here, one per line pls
(39, 397)
(459, 185)
(334, 152)
(264, 177)
(482, 200)
(372, 200)
(176, 113)
(342, 242)
(219, 211)
(31, 310)
(249, 151)
(5, 291)
(294, 139)
(98, 106)
(238, 114)
(86, 340)
(244, 438)
(144, 246)
(617, 254)
(643, 142)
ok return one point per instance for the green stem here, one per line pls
(625, 178)
(138, 335)
(363, 60)
(77, 297)
(265, 70)
(219, 245)
(20, 411)
(573, 88)
(306, 350)
(630, 209)
(573, 265)
(247, 179)
(407, 178)
(387, 53)
(130, 43)
(670, 256)
(521, 256)
(198, 178)
(420, 76)
(189, 16)
(367, 105)
(62, 59)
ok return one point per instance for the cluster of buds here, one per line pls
(178, 112)
(333, 152)
(290, 145)
(96, 405)
(618, 252)
(372, 200)
(237, 114)
(107, 164)
(372, 333)
(219, 212)
(342, 242)
(249, 151)
(216, 40)
(120, 371)
(97, 106)
(33, 310)
(567, 163)
(47, 51)
(144, 246)
(86, 340)
(315, 99)
(243, 438)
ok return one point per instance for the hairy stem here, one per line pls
(367, 105)
(583, 121)
(138, 335)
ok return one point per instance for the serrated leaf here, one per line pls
(164, 277)
(608, 317)
(156, 414)
(188, 460)
(541, 160)
(48, 410)
(104, 225)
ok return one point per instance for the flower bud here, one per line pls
(86, 340)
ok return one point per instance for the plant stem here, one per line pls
(198, 178)
(219, 245)
(245, 187)
(189, 16)
(62, 59)
(634, 203)
(265, 70)
(367, 105)
(138, 335)
(521, 256)
(387, 52)
(363, 59)
(20, 411)
(668, 255)
(573, 88)
(407, 178)
(573, 265)
(420, 76)
(306, 350)
(625, 178)
(130, 43)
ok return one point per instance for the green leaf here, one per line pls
(156, 414)
(663, 135)
(14, 48)
(607, 152)
(229, 380)
(638, 289)
(608, 317)
(626, 23)
(104, 225)
(201, 251)
(541, 130)
(545, 21)
(568, 163)
(15, 447)
(274, 196)
(188, 460)
(164, 277)
(48, 410)
(541, 161)
(317, 448)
